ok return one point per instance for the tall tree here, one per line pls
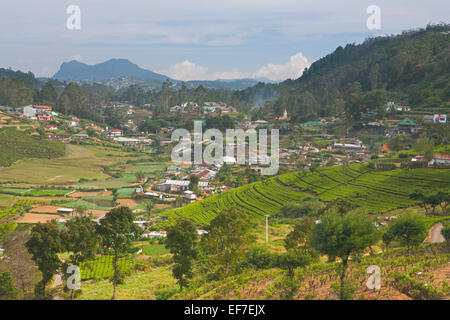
(117, 231)
(229, 234)
(44, 245)
(20, 263)
(181, 241)
(410, 229)
(81, 239)
(341, 236)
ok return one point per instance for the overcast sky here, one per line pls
(199, 39)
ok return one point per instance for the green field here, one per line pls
(15, 145)
(34, 192)
(102, 267)
(377, 191)
(78, 162)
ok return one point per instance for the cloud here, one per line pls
(76, 57)
(187, 70)
(291, 70)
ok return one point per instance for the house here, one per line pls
(206, 174)
(229, 160)
(64, 211)
(440, 159)
(51, 127)
(42, 108)
(177, 186)
(29, 112)
(189, 196)
(81, 136)
(44, 117)
(60, 137)
(114, 133)
(406, 126)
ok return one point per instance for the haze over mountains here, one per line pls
(114, 69)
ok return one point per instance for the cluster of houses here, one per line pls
(35, 112)
(207, 108)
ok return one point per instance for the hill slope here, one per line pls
(411, 68)
(378, 191)
(15, 145)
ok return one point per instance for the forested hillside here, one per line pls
(411, 68)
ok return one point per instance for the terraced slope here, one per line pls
(378, 191)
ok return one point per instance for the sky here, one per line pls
(199, 39)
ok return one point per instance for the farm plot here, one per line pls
(377, 191)
(256, 199)
(102, 267)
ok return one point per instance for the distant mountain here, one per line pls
(111, 69)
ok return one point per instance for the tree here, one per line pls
(6, 229)
(117, 231)
(148, 207)
(387, 238)
(181, 241)
(193, 183)
(445, 231)
(290, 261)
(227, 238)
(140, 175)
(410, 229)
(7, 289)
(299, 237)
(443, 198)
(20, 263)
(341, 236)
(44, 245)
(80, 238)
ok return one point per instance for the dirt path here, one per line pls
(434, 235)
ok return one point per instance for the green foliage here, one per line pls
(410, 229)
(229, 234)
(117, 231)
(103, 267)
(181, 241)
(44, 245)
(17, 145)
(342, 236)
(7, 289)
(356, 185)
(415, 288)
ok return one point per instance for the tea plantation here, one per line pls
(377, 191)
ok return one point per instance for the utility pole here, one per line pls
(267, 228)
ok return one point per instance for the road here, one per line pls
(434, 235)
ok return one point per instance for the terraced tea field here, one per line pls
(378, 191)
(102, 267)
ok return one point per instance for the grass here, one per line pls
(78, 162)
(15, 145)
(154, 250)
(138, 286)
(102, 267)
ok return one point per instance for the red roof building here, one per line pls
(43, 108)
(44, 117)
